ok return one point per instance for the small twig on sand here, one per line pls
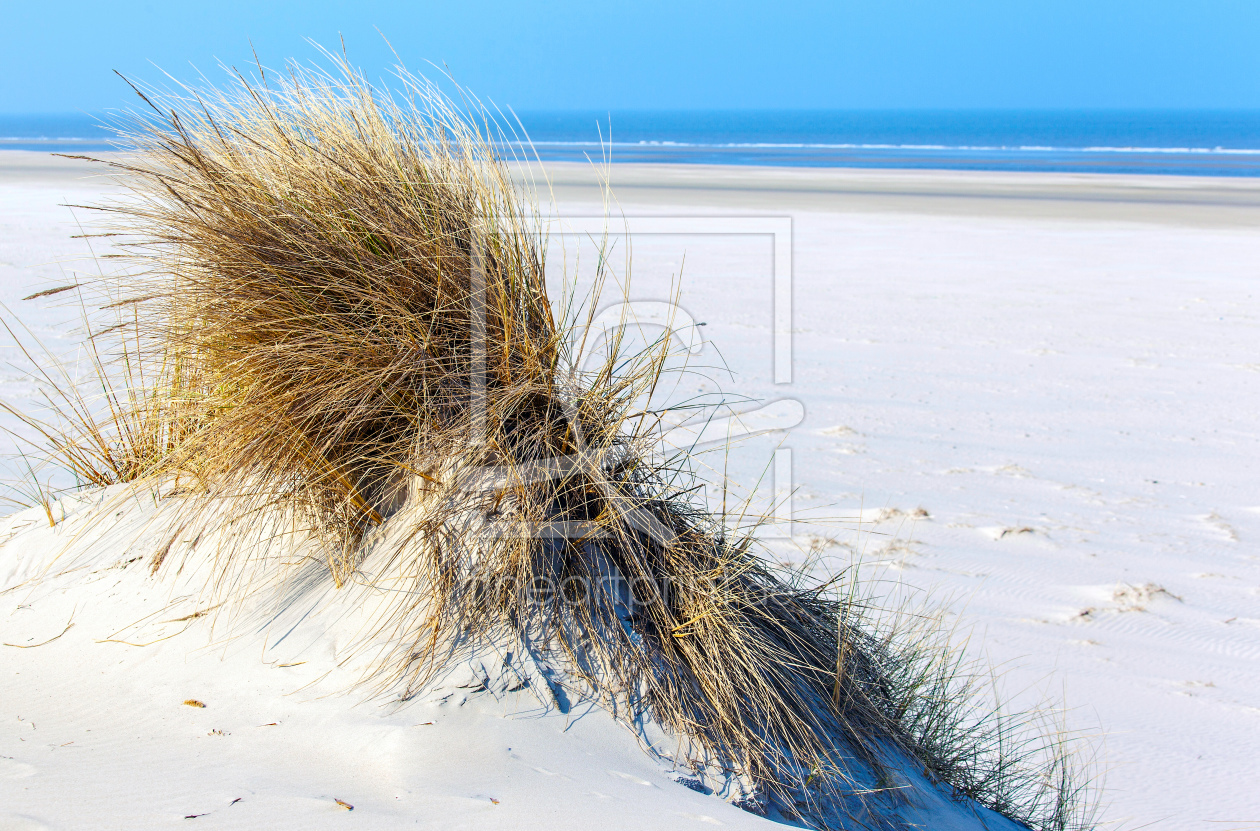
(50, 640)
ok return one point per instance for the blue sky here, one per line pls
(59, 56)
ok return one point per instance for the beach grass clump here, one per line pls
(310, 260)
(341, 297)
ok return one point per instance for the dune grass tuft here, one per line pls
(338, 303)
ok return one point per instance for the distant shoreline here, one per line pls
(1166, 161)
(1204, 201)
(1140, 161)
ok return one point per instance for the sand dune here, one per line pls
(1036, 396)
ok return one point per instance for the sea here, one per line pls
(1170, 142)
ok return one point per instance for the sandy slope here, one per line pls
(96, 734)
(152, 702)
(1063, 371)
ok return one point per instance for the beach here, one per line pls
(1033, 399)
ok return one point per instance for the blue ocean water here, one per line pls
(68, 133)
(1200, 143)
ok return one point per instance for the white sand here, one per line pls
(1064, 371)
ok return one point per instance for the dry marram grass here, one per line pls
(337, 310)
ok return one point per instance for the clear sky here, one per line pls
(59, 56)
